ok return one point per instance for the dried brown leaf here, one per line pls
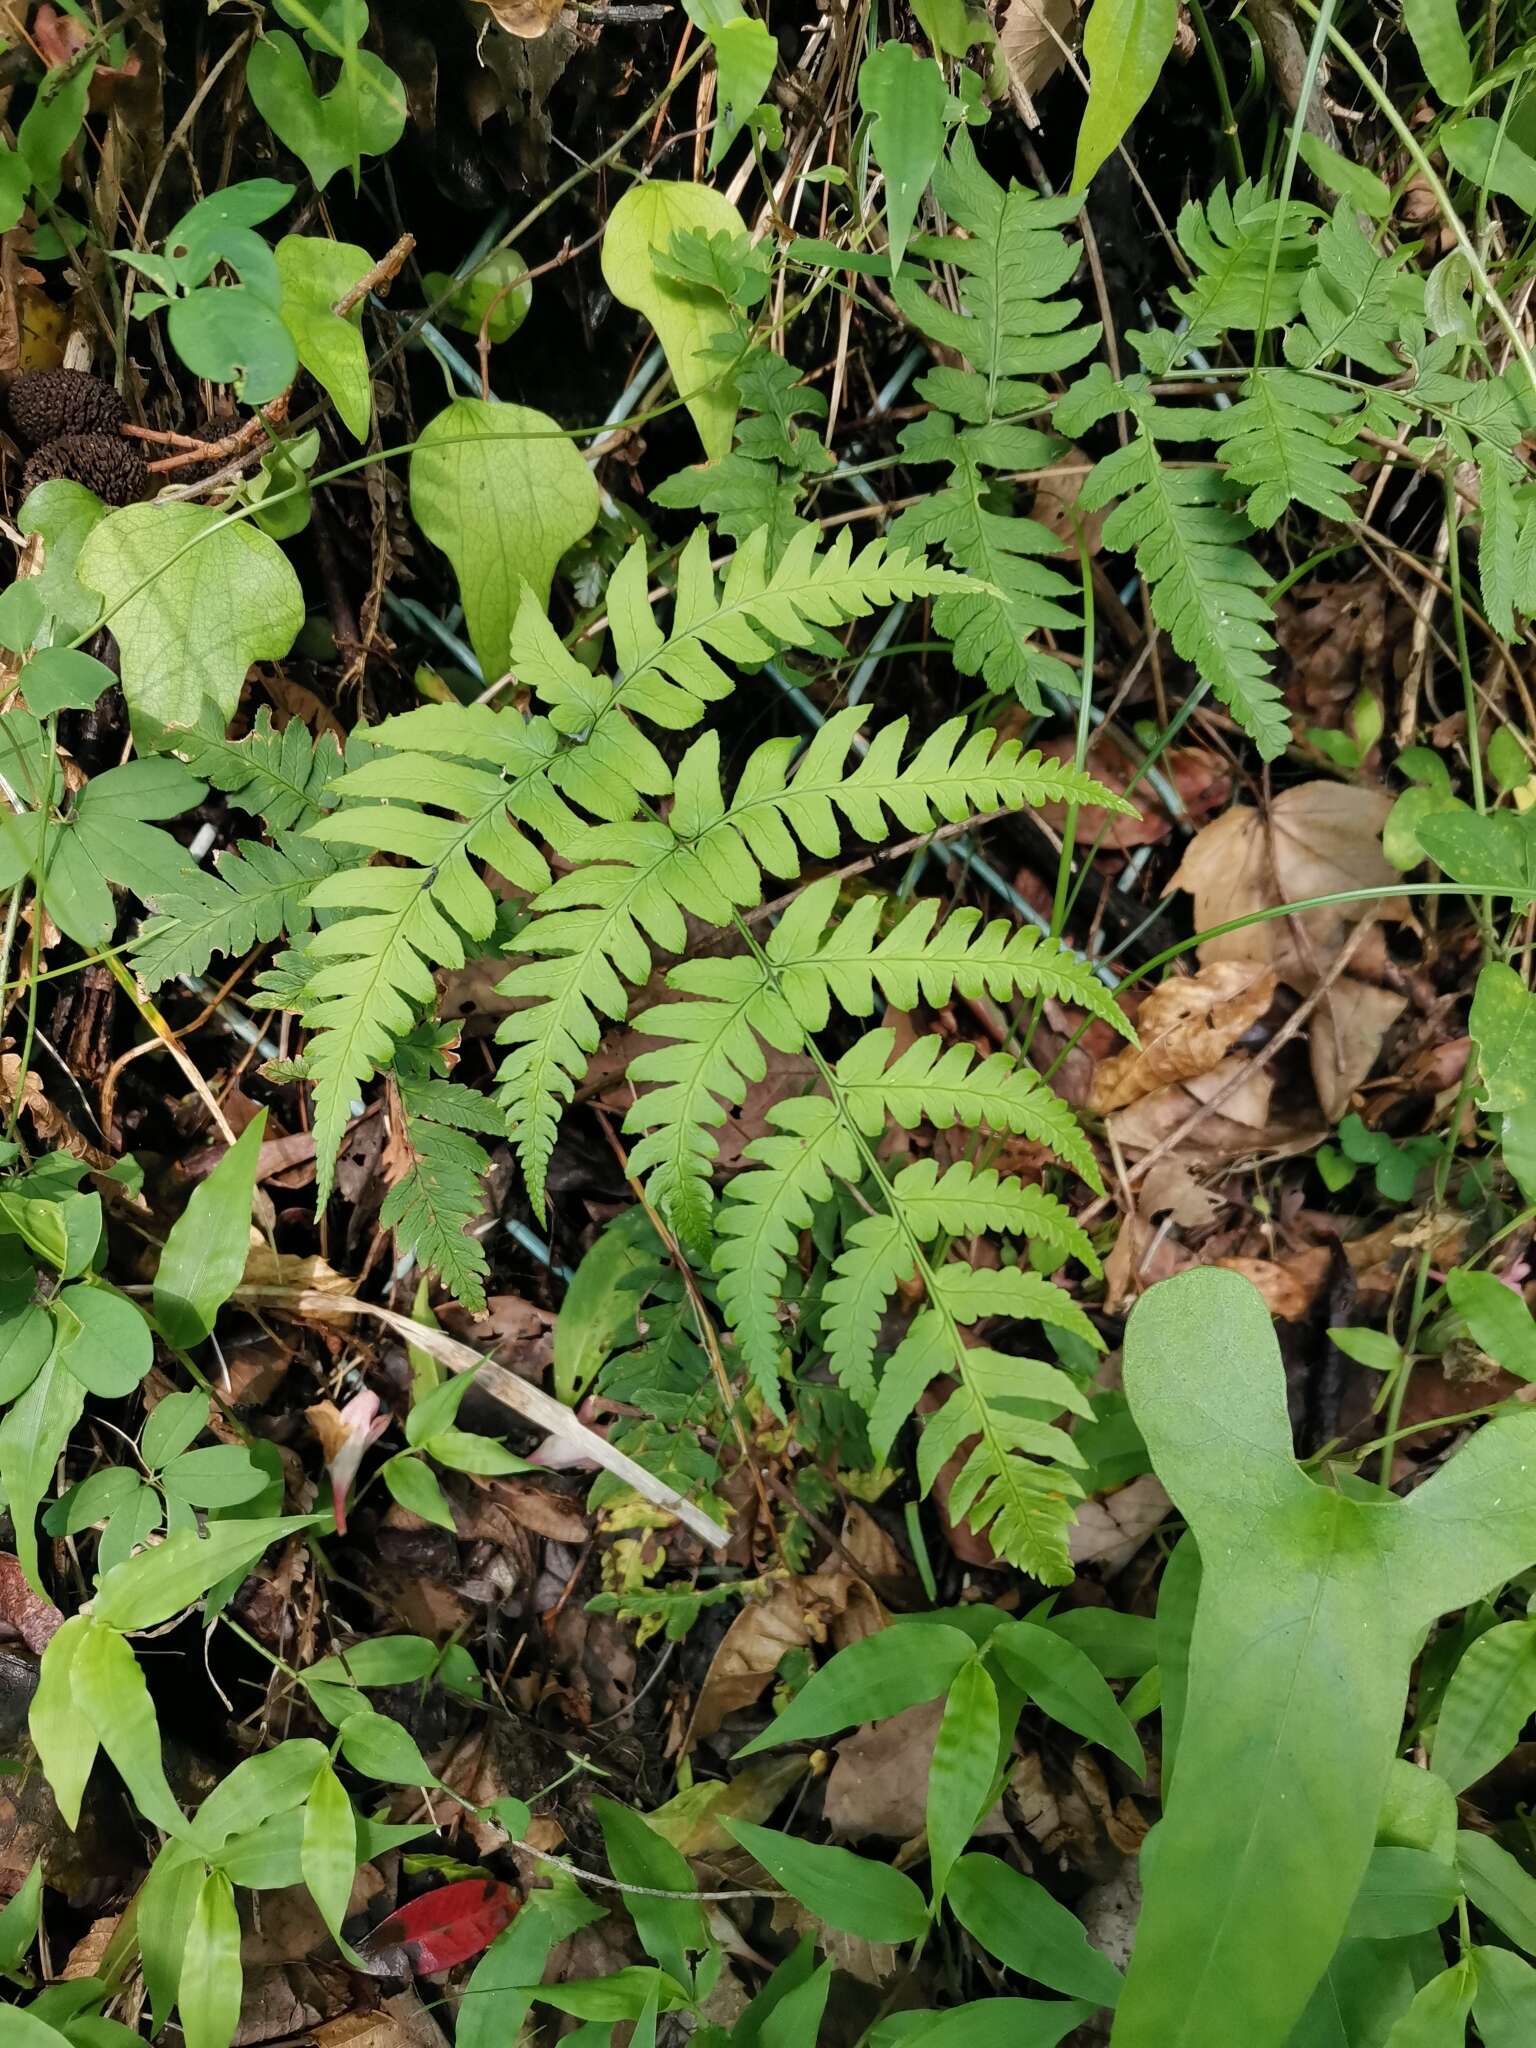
(1320, 838)
(1345, 1038)
(1187, 1026)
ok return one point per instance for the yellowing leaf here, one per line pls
(193, 599)
(503, 493)
(687, 321)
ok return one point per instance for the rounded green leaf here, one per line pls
(228, 334)
(26, 1338)
(416, 1489)
(503, 492)
(63, 679)
(103, 1340)
(382, 1749)
(193, 599)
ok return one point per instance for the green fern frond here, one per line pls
(279, 776)
(713, 1056)
(1206, 589)
(754, 612)
(251, 895)
(1355, 301)
(372, 970)
(1229, 241)
(970, 1201)
(962, 1202)
(1010, 328)
(432, 1207)
(876, 1258)
(1290, 440)
(1017, 1487)
(944, 1085)
(792, 1169)
(594, 929)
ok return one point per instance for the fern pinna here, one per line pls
(575, 807)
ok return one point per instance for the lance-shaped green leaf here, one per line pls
(1311, 1609)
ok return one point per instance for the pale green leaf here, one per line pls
(315, 274)
(906, 96)
(687, 320)
(1125, 45)
(64, 1737)
(1441, 42)
(503, 493)
(211, 1977)
(193, 599)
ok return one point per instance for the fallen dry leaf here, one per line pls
(529, 19)
(1345, 1039)
(828, 1606)
(1236, 1127)
(1034, 36)
(879, 1783)
(1289, 1286)
(1320, 838)
(1187, 1026)
(1170, 1189)
(1108, 1533)
(694, 1821)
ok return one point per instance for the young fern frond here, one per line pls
(281, 777)
(1248, 254)
(963, 1202)
(252, 894)
(370, 972)
(595, 928)
(1206, 589)
(1354, 301)
(713, 1056)
(1010, 329)
(771, 1202)
(1290, 440)
(432, 1206)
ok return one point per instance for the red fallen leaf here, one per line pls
(439, 1929)
(22, 1613)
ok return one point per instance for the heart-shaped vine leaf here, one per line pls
(503, 493)
(194, 598)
